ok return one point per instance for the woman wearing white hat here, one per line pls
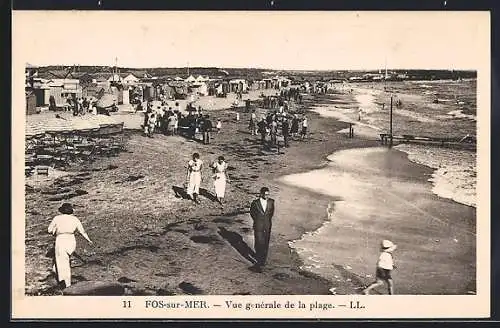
(385, 265)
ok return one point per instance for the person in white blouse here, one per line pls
(220, 178)
(64, 226)
(194, 177)
(385, 265)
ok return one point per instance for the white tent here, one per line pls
(191, 79)
(200, 79)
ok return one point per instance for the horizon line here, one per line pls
(261, 68)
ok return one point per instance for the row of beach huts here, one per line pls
(54, 88)
(44, 88)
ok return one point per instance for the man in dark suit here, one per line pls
(262, 211)
(206, 127)
(285, 130)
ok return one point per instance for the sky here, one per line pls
(273, 40)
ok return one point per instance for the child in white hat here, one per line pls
(385, 264)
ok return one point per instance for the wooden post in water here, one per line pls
(390, 126)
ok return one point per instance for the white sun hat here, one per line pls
(387, 244)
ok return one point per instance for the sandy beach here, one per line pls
(151, 241)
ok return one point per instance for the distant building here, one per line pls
(41, 90)
(62, 89)
(130, 79)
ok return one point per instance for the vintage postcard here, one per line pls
(250, 165)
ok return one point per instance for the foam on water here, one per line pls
(455, 172)
(364, 129)
(459, 114)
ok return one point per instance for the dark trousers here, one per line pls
(262, 138)
(206, 137)
(285, 137)
(273, 139)
(261, 245)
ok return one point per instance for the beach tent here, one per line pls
(190, 79)
(200, 79)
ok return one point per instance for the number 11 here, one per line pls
(126, 304)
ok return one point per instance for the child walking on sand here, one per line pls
(385, 264)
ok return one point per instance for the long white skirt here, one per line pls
(64, 247)
(194, 183)
(220, 185)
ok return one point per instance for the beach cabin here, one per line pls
(30, 102)
(260, 85)
(62, 89)
(41, 90)
(238, 85)
(269, 83)
(148, 91)
(56, 89)
(130, 79)
(71, 88)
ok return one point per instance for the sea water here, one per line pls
(455, 170)
(428, 209)
(385, 196)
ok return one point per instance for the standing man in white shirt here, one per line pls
(262, 211)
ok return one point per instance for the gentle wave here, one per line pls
(455, 174)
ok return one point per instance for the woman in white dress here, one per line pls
(220, 178)
(64, 227)
(194, 177)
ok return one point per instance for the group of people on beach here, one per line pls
(173, 122)
(165, 121)
(278, 126)
(78, 106)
